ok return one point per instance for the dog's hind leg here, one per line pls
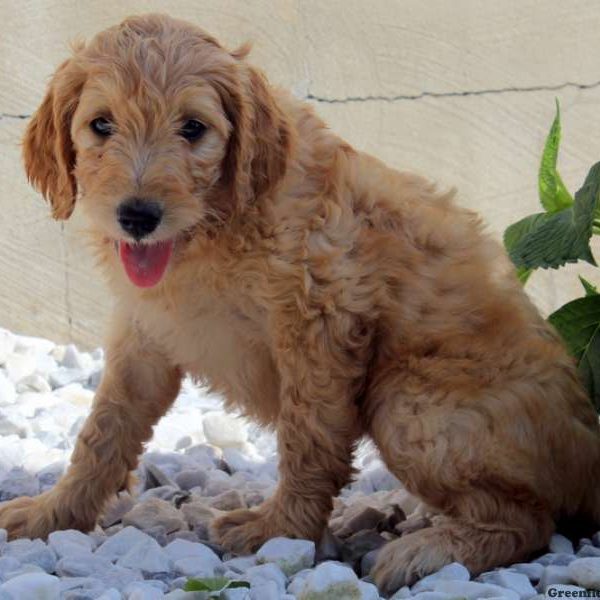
(511, 536)
(137, 388)
(496, 463)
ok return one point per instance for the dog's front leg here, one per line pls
(138, 387)
(317, 428)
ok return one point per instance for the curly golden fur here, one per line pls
(321, 293)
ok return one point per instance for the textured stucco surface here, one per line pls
(462, 92)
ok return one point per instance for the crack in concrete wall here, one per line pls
(484, 92)
(419, 96)
(13, 116)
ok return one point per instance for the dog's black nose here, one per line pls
(139, 217)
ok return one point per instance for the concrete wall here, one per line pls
(461, 91)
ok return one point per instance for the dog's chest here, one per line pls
(208, 337)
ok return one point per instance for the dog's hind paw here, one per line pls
(407, 559)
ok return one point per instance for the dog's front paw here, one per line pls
(27, 517)
(242, 531)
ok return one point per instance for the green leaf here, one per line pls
(523, 274)
(554, 196)
(213, 584)
(578, 323)
(590, 288)
(550, 240)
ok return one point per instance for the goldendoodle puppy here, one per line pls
(318, 290)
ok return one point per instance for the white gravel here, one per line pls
(201, 461)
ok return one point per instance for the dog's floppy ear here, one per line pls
(48, 150)
(258, 148)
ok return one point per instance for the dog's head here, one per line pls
(157, 131)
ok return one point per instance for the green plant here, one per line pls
(213, 586)
(560, 235)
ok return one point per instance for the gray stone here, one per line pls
(191, 478)
(116, 509)
(153, 512)
(559, 544)
(229, 500)
(559, 560)
(587, 551)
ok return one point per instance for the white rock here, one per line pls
(63, 377)
(240, 564)
(269, 572)
(430, 596)
(533, 571)
(454, 571)
(33, 586)
(143, 591)
(368, 591)
(179, 549)
(235, 594)
(291, 555)
(120, 577)
(7, 345)
(224, 430)
(85, 564)
(192, 567)
(19, 366)
(554, 574)
(110, 594)
(265, 590)
(559, 544)
(586, 572)
(404, 592)
(331, 578)
(35, 345)
(517, 582)
(70, 542)
(33, 552)
(147, 556)
(35, 383)
(8, 394)
(119, 544)
(472, 590)
(73, 359)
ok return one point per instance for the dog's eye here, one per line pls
(102, 127)
(192, 130)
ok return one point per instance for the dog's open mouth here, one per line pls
(145, 264)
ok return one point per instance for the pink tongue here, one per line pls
(145, 264)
